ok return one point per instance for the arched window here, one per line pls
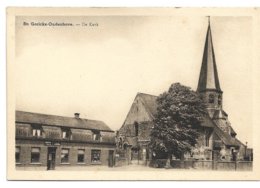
(219, 100)
(136, 128)
(120, 142)
(211, 98)
(207, 138)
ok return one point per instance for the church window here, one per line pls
(120, 142)
(211, 98)
(207, 139)
(219, 100)
(136, 128)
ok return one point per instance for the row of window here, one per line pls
(37, 131)
(36, 154)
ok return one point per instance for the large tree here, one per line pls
(178, 118)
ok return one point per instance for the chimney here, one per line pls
(76, 115)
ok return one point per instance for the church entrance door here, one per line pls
(134, 156)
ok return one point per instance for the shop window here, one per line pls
(64, 155)
(17, 154)
(95, 156)
(36, 131)
(35, 155)
(96, 136)
(211, 98)
(81, 155)
(66, 134)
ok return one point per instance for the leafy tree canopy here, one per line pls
(179, 115)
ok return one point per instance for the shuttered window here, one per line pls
(64, 155)
(66, 134)
(97, 136)
(81, 156)
(36, 131)
(17, 154)
(35, 155)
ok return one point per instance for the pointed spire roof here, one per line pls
(208, 79)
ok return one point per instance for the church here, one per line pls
(218, 139)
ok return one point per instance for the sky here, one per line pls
(98, 70)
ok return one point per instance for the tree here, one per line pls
(176, 124)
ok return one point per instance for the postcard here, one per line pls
(133, 93)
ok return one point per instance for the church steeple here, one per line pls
(208, 85)
(208, 74)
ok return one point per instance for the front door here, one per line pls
(111, 158)
(51, 158)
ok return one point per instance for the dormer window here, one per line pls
(66, 133)
(96, 135)
(36, 131)
(211, 98)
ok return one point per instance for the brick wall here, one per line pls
(26, 145)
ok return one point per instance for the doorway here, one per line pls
(51, 158)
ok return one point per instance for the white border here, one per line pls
(99, 3)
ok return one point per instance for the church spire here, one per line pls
(208, 79)
(208, 85)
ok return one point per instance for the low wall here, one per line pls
(204, 164)
(226, 165)
(121, 162)
(245, 165)
(192, 164)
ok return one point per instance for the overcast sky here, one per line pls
(97, 71)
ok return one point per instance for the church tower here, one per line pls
(208, 85)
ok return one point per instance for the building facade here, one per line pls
(218, 139)
(49, 141)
